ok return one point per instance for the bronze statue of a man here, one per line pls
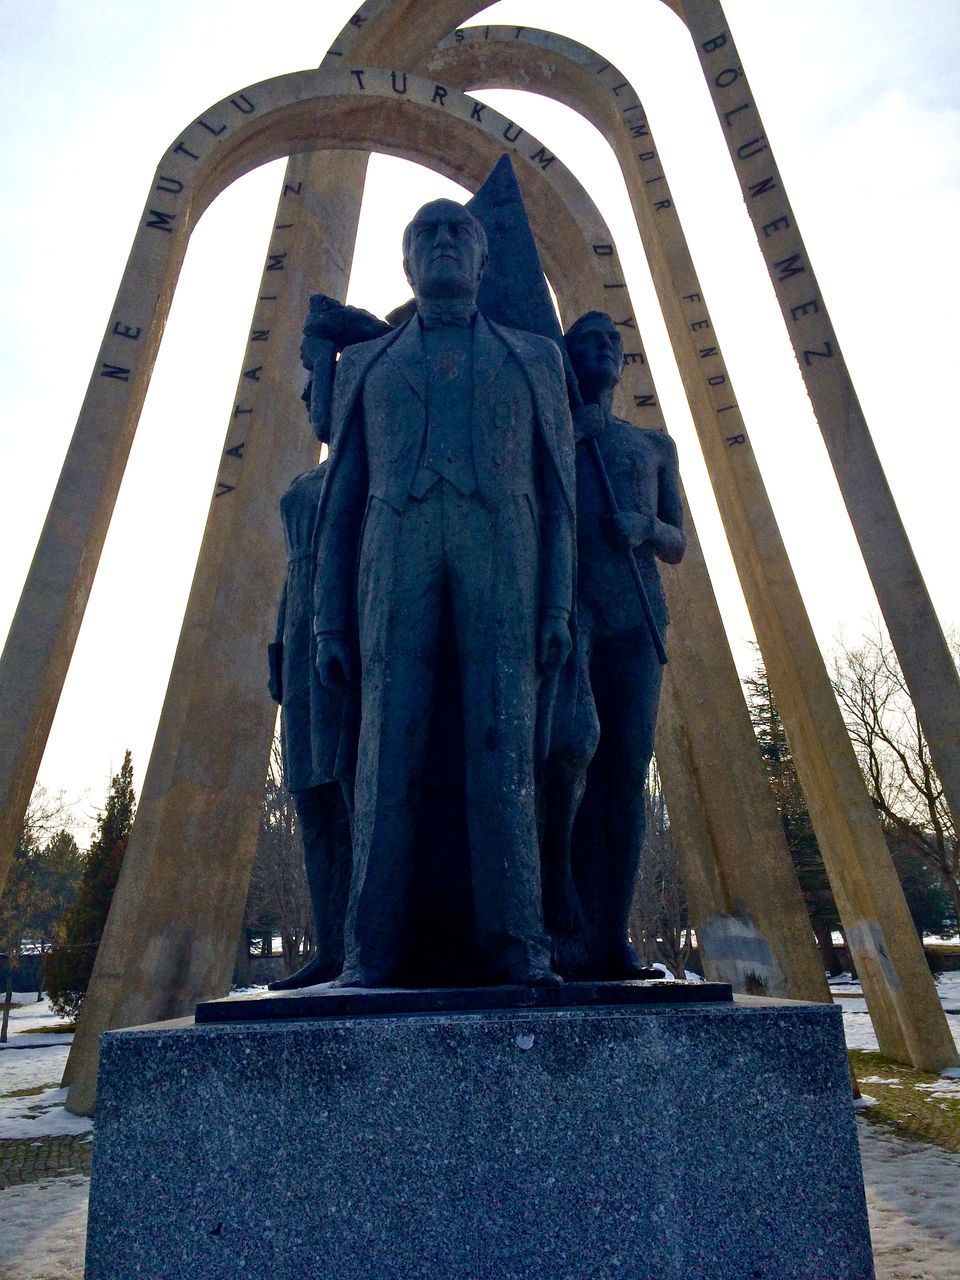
(448, 507)
(616, 662)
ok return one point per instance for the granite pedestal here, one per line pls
(653, 1142)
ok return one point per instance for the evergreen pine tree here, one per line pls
(781, 771)
(58, 869)
(68, 967)
(928, 899)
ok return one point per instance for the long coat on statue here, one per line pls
(394, 562)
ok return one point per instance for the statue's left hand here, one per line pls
(553, 644)
(630, 528)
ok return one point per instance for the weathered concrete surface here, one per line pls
(908, 612)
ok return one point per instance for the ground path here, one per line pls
(31, 1161)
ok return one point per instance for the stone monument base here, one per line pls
(652, 1142)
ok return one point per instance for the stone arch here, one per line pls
(216, 123)
(303, 111)
(403, 32)
(925, 658)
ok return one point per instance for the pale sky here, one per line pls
(861, 102)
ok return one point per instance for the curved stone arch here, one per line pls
(402, 32)
(238, 158)
(302, 112)
(860, 858)
(411, 28)
(903, 1005)
(214, 126)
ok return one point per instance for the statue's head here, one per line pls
(596, 351)
(444, 252)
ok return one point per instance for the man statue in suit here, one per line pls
(448, 510)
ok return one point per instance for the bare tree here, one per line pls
(278, 897)
(894, 755)
(659, 919)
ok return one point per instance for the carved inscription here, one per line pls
(766, 202)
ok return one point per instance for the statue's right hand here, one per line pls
(335, 663)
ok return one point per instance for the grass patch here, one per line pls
(32, 1091)
(52, 1029)
(905, 1101)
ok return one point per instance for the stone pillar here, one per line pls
(204, 784)
(40, 643)
(908, 612)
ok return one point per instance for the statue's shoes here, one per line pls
(311, 975)
(527, 974)
(363, 979)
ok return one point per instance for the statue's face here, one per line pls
(444, 257)
(596, 353)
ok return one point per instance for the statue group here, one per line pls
(469, 644)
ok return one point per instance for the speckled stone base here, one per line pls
(648, 1143)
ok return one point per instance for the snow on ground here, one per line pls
(690, 977)
(33, 1067)
(44, 1229)
(40, 1115)
(31, 1061)
(858, 1028)
(27, 1014)
(913, 1201)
